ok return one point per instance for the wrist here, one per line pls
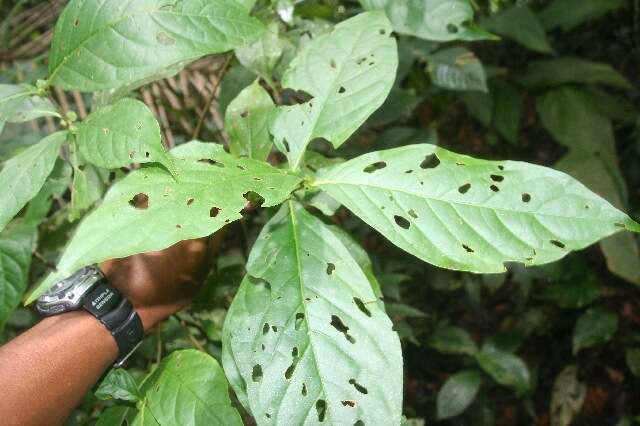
(151, 316)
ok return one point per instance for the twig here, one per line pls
(212, 96)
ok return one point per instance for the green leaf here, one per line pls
(187, 388)
(452, 340)
(567, 69)
(462, 213)
(521, 25)
(568, 14)
(23, 175)
(88, 186)
(247, 123)
(118, 384)
(437, 20)
(109, 45)
(507, 113)
(567, 397)
(456, 68)
(117, 135)
(19, 103)
(457, 393)
(17, 243)
(575, 294)
(116, 416)
(348, 72)
(303, 343)
(263, 55)
(505, 368)
(149, 210)
(594, 327)
(632, 358)
(571, 118)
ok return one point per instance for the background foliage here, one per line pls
(555, 344)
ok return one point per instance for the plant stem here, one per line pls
(212, 96)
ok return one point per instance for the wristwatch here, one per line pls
(89, 289)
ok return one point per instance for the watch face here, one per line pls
(67, 294)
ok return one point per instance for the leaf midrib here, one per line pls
(113, 23)
(434, 199)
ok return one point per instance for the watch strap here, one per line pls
(128, 337)
(117, 314)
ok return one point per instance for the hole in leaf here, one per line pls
(265, 328)
(286, 145)
(464, 188)
(526, 197)
(304, 389)
(214, 212)
(402, 222)
(321, 409)
(557, 243)
(360, 304)
(267, 415)
(244, 114)
(337, 323)
(348, 403)
(358, 386)
(431, 161)
(413, 214)
(210, 161)
(330, 268)
(497, 178)
(140, 201)
(452, 29)
(254, 198)
(299, 319)
(375, 166)
(332, 63)
(342, 89)
(382, 32)
(409, 171)
(361, 61)
(190, 201)
(467, 248)
(256, 373)
(274, 328)
(494, 188)
(179, 226)
(241, 167)
(76, 23)
(500, 167)
(359, 423)
(147, 154)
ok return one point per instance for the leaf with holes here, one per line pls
(17, 243)
(109, 45)
(187, 388)
(456, 68)
(247, 123)
(150, 210)
(23, 175)
(462, 213)
(120, 134)
(437, 20)
(348, 72)
(303, 342)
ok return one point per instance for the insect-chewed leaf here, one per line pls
(437, 20)
(150, 210)
(247, 123)
(188, 388)
(23, 175)
(112, 44)
(302, 342)
(119, 134)
(348, 72)
(462, 213)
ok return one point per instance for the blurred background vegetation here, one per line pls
(558, 88)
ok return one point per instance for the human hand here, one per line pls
(159, 284)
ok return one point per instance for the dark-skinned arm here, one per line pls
(45, 372)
